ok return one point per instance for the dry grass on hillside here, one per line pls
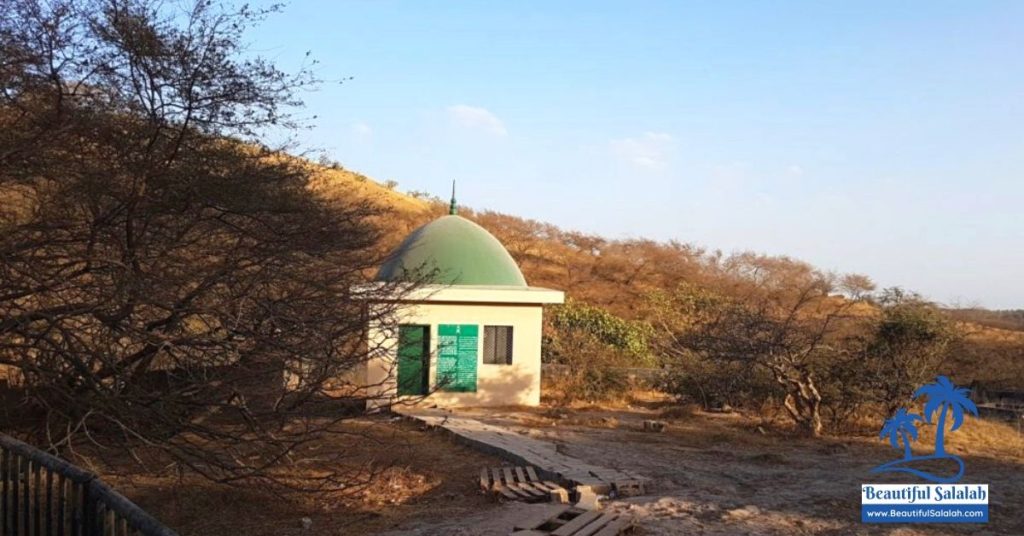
(978, 437)
(342, 183)
(616, 274)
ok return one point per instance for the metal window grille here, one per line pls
(498, 345)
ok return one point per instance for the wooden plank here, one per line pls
(505, 492)
(496, 475)
(484, 480)
(559, 495)
(508, 475)
(521, 475)
(521, 489)
(567, 516)
(536, 519)
(579, 522)
(532, 474)
(616, 527)
(597, 525)
(542, 486)
(515, 489)
(629, 488)
(533, 490)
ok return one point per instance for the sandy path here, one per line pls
(717, 476)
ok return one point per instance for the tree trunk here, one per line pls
(803, 403)
(805, 412)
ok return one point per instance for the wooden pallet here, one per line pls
(521, 484)
(629, 488)
(565, 520)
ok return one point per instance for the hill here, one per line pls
(617, 275)
(1007, 319)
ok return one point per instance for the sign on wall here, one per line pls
(457, 357)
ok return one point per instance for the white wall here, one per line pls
(497, 385)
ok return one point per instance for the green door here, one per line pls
(457, 356)
(413, 359)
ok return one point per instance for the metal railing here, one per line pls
(42, 495)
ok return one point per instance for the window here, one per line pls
(497, 345)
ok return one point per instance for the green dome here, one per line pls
(452, 250)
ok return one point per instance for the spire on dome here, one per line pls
(453, 208)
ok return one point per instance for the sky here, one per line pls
(883, 138)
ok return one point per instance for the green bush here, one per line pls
(592, 346)
(630, 338)
(717, 384)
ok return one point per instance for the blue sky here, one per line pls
(884, 138)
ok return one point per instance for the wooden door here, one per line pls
(413, 359)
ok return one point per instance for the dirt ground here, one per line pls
(714, 474)
(718, 474)
(432, 479)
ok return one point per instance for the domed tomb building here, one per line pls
(470, 333)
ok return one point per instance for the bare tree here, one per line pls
(780, 320)
(162, 273)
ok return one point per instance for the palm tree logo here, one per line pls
(901, 427)
(943, 394)
(944, 398)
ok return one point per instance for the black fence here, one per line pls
(1007, 398)
(42, 495)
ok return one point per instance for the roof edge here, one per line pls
(472, 294)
